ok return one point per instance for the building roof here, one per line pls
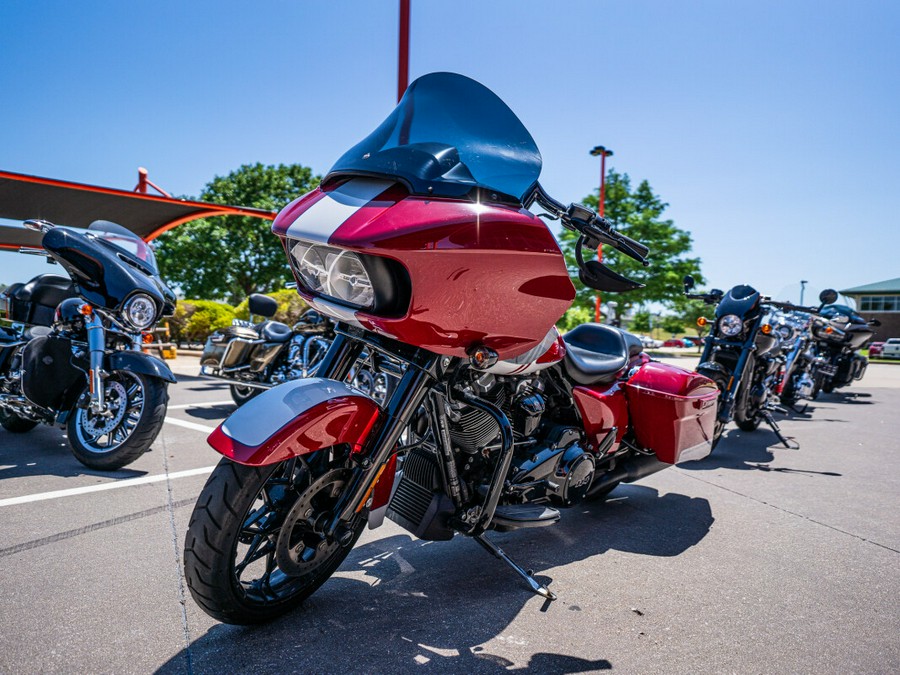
(889, 286)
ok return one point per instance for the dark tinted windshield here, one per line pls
(447, 135)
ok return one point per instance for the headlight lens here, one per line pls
(731, 325)
(140, 311)
(333, 272)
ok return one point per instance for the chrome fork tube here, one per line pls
(97, 347)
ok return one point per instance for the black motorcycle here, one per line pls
(743, 355)
(71, 352)
(254, 357)
(840, 333)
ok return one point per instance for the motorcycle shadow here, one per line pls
(753, 450)
(44, 451)
(399, 603)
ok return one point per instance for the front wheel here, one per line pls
(254, 547)
(136, 410)
(722, 383)
(240, 393)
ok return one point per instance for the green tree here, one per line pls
(641, 322)
(672, 324)
(229, 257)
(638, 213)
(691, 310)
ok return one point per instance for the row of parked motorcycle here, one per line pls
(427, 385)
(766, 356)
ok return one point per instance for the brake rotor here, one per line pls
(100, 425)
(301, 546)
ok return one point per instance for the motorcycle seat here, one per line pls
(596, 353)
(274, 331)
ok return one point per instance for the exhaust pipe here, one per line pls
(628, 471)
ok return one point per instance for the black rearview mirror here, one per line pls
(688, 283)
(828, 296)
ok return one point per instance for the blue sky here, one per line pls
(770, 127)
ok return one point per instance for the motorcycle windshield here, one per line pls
(126, 242)
(447, 135)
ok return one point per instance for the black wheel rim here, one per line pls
(256, 572)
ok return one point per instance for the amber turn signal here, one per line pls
(702, 321)
(766, 329)
(147, 338)
(86, 309)
(482, 357)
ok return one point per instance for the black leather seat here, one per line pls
(35, 302)
(274, 331)
(596, 353)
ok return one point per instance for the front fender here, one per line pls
(138, 362)
(293, 419)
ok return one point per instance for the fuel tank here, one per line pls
(479, 271)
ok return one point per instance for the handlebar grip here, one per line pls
(637, 246)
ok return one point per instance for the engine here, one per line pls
(549, 465)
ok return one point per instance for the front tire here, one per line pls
(240, 394)
(722, 384)
(137, 407)
(251, 552)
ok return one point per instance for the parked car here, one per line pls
(692, 341)
(875, 349)
(649, 342)
(675, 342)
(891, 349)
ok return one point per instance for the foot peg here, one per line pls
(497, 552)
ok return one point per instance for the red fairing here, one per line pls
(602, 407)
(481, 274)
(346, 419)
(673, 411)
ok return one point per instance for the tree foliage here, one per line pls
(229, 257)
(638, 213)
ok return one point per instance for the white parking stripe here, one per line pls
(182, 406)
(128, 482)
(190, 425)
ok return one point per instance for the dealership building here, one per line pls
(880, 301)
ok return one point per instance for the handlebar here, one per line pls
(594, 229)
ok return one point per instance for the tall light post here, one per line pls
(603, 153)
(803, 283)
(403, 50)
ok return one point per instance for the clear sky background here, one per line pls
(769, 126)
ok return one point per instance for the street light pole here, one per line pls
(802, 288)
(403, 51)
(604, 153)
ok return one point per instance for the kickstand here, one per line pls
(497, 552)
(767, 416)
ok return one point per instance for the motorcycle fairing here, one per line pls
(294, 419)
(460, 256)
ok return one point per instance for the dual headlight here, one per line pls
(375, 284)
(731, 325)
(140, 311)
(334, 272)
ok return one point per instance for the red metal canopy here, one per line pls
(78, 205)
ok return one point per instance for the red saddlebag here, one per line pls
(673, 411)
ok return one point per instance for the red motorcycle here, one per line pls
(419, 243)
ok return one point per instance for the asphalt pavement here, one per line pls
(758, 559)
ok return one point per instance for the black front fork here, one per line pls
(420, 372)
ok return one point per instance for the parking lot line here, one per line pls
(190, 425)
(128, 482)
(204, 404)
